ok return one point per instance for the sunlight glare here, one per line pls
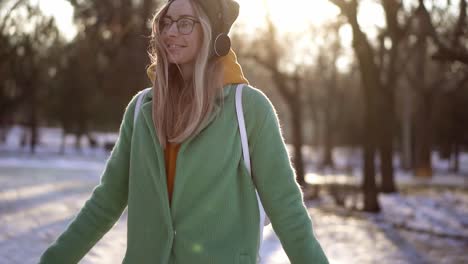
(371, 17)
(298, 16)
(291, 16)
(63, 14)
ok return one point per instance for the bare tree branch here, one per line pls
(445, 51)
(456, 85)
(8, 14)
(344, 5)
(461, 24)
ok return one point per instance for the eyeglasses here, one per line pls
(184, 25)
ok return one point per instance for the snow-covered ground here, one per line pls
(40, 194)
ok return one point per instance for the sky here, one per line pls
(290, 17)
(63, 14)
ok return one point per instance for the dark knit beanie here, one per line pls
(222, 13)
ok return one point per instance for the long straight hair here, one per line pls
(179, 109)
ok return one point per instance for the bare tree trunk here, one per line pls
(386, 168)
(455, 157)
(371, 203)
(3, 134)
(24, 140)
(62, 142)
(327, 159)
(369, 187)
(317, 129)
(372, 87)
(386, 149)
(78, 136)
(423, 145)
(423, 163)
(406, 131)
(33, 118)
(34, 133)
(389, 80)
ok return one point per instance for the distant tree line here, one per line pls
(80, 85)
(402, 97)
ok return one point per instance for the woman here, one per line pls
(179, 166)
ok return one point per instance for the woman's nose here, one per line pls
(172, 30)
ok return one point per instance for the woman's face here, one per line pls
(181, 47)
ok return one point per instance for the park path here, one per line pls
(37, 202)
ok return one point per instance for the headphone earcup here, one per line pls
(222, 45)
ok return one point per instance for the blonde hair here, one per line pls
(180, 109)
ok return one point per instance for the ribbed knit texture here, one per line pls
(232, 74)
(214, 215)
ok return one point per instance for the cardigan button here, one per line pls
(175, 232)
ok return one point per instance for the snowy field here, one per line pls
(41, 193)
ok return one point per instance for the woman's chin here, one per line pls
(175, 60)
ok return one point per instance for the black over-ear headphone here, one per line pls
(222, 42)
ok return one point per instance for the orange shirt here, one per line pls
(170, 155)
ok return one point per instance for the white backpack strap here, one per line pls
(139, 101)
(243, 132)
(246, 154)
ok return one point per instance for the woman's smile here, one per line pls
(174, 47)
